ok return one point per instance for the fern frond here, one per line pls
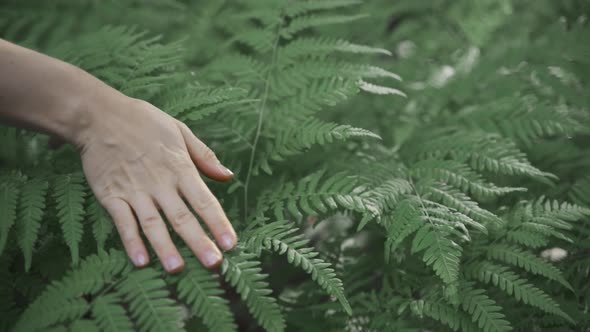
(440, 251)
(527, 238)
(378, 89)
(241, 66)
(317, 94)
(56, 312)
(190, 103)
(457, 200)
(450, 197)
(437, 213)
(244, 273)
(556, 214)
(69, 194)
(303, 7)
(514, 285)
(301, 23)
(318, 47)
(289, 81)
(31, 210)
(102, 225)
(526, 260)
(314, 196)
(149, 301)
(580, 192)
(300, 137)
(388, 193)
(124, 58)
(110, 315)
(282, 238)
(483, 309)
(260, 40)
(62, 301)
(524, 119)
(9, 195)
(200, 289)
(83, 325)
(481, 151)
(404, 221)
(444, 313)
(460, 176)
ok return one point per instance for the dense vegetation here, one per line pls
(363, 202)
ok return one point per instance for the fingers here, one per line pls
(128, 231)
(186, 225)
(206, 205)
(157, 234)
(204, 157)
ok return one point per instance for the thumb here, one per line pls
(204, 158)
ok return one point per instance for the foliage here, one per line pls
(362, 202)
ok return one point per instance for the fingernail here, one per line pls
(227, 241)
(140, 260)
(173, 263)
(226, 170)
(211, 258)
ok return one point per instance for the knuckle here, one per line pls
(150, 221)
(207, 153)
(205, 202)
(184, 126)
(181, 218)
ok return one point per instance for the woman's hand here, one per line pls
(138, 160)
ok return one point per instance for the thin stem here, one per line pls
(260, 121)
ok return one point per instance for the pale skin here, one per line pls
(137, 159)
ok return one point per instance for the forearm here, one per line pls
(48, 95)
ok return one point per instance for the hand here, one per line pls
(137, 160)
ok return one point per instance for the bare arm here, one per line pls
(137, 159)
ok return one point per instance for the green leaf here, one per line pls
(528, 261)
(484, 310)
(200, 289)
(149, 302)
(31, 210)
(281, 237)
(70, 194)
(243, 272)
(102, 225)
(9, 194)
(110, 315)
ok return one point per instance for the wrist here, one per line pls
(88, 109)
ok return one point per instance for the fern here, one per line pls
(200, 289)
(443, 312)
(279, 237)
(483, 309)
(439, 251)
(303, 136)
(245, 274)
(314, 197)
(8, 205)
(442, 222)
(31, 209)
(102, 225)
(455, 199)
(110, 315)
(515, 286)
(526, 260)
(70, 194)
(459, 176)
(61, 301)
(149, 301)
